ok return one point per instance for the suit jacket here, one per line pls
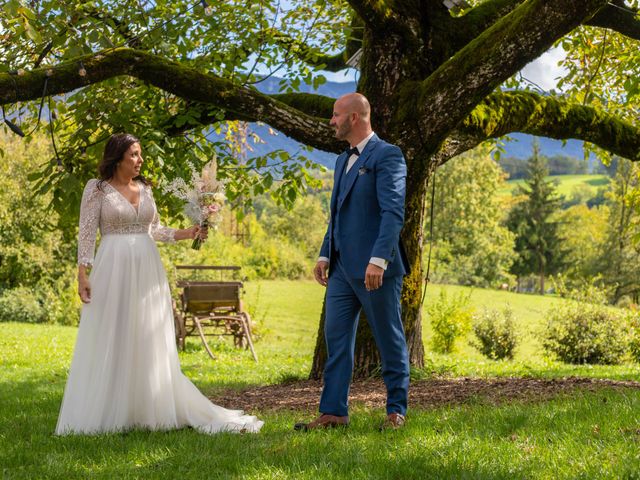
(370, 212)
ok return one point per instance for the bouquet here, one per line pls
(203, 199)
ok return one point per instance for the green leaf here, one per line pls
(33, 176)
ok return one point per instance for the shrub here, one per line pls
(633, 321)
(586, 333)
(450, 320)
(21, 304)
(62, 302)
(591, 290)
(495, 334)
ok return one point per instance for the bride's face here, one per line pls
(131, 161)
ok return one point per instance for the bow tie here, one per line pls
(353, 151)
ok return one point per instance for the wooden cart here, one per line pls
(212, 309)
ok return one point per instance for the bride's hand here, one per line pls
(84, 289)
(196, 231)
(203, 233)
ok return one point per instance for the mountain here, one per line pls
(519, 146)
(522, 144)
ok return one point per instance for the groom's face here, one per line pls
(341, 121)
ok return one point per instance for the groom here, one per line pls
(362, 264)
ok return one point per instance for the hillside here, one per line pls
(567, 184)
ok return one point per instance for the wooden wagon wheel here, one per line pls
(180, 329)
(246, 326)
(196, 320)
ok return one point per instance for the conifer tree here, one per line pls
(538, 244)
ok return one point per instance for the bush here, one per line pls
(633, 321)
(586, 333)
(495, 334)
(21, 304)
(450, 320)
(62, 302)
(591, 290)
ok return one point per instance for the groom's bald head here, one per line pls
(352, 118)
(357, 103)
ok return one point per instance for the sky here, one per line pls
(544, 71)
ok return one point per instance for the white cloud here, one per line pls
(544, 70)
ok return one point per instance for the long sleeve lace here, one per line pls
(89, 221)
(159, 232)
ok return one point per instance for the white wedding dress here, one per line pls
(125, 371)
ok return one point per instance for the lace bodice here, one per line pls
(106, 208)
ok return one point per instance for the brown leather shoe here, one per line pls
(393, 421)
(323, 421)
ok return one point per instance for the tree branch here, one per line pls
(448, 95)
(527, 112)
(620, 19)
(467, 27)
(310, 104)
(374, 13)
(185, 82)
(457, 143)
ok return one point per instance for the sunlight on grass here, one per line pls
(566, 184)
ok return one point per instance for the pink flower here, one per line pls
(214, 208)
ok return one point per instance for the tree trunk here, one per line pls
(320, 352)
(542, 274)
(412, 239)
(366, 357)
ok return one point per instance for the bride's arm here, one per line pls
(89, 220)
(190, 233)
(161, 233)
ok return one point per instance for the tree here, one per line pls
(37, 280)
(620, 259)
(471, 246)
(434, 77)
(583, 231)
(538, 244)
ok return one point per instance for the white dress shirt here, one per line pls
(380, 262)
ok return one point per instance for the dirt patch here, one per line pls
(305, 395)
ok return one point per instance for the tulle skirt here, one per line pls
(125, 371)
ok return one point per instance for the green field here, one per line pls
(585, 435)
(567, 184)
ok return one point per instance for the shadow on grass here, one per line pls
(598, 182)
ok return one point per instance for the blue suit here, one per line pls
(367, 214)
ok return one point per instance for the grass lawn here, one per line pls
(578, 435)
(566, 184)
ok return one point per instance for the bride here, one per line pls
(125, 371)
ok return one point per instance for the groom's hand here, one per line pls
(373, 277)
(320, 272)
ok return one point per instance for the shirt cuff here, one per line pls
(380, 262)
(323, 259)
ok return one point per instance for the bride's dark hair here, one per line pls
(114, 151)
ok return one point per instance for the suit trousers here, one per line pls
(345, 298)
